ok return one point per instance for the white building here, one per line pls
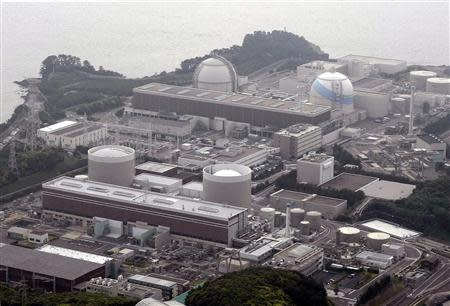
(375, 260)
(361, 66)
(396, 250)
(263, 248)
(431, 142)
(70, 134)
(158, 183)
(315, 168)
(297, 140)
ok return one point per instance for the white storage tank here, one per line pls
(227, 184)
(268, 213)
(314, 218)
(348, 234)
(111, 164)
(305, 228)
(297, 215)
(419, 78)
(439, 85)
(376, 239)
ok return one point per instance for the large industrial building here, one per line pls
(70, 134)
(315, 168)
(224, 111)
(297, 140)
(432, 142)
(43, 270)
(306, 259)
(81, 201)
(362, 66)
(329, 207)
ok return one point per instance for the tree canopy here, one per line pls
(262, 286)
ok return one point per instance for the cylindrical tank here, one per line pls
(439, 85)
(419, 78)
(111, 164)
(305, 227)
(297, 215)
(268, 213)
(348, 234)
(278, 219)
(81, 177)
(376, 239)
(227, 184)
(314, 218)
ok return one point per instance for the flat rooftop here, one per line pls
(51, 249)
(298, 130)
(237, 99)
(155, 167)
(430, 138)
(296, 251)
(308, 198)
(373, 60)
(58, 126)
(86, 128)
(353, 182)
(153, 280)
(234, 154)
(389, 228)
(388, 190)
(156, 179)
(371, 83)
(144, 198)
(316, 158)
(45, 263)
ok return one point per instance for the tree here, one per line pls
(259, 286)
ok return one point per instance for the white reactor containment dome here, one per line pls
(332, 89)
(227, 184)
(111, 164)
(215, 73)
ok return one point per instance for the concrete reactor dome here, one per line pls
(332, 89)
(111, 164)
(227, 184)
(438, 85)
(347, 234)
(215, 73)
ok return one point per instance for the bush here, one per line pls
(259, 286)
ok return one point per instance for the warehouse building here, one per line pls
(47, 271)
(306, 259)
(374, 260)
(81, 201)
(431, 142)
(219, 109)
(169, 288)
(297, 140)
(70, 134)
(329, 207)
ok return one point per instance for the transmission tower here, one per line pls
(31, 128)
(12, 161)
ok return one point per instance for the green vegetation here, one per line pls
(289, 182)
(426, 210)
(374, 290)
(35, 168)
(259, 286)
(261, 49)
(14, 297)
